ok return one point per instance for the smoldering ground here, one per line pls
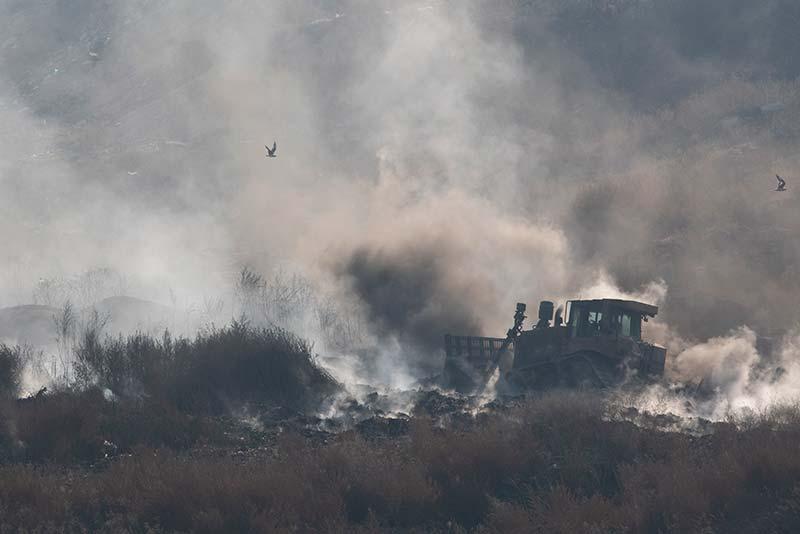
(483, 153)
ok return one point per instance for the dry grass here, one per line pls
(553, 465)
(83, 428)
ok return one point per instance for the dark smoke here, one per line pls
(411, 295)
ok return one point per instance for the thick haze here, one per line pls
(437, 161)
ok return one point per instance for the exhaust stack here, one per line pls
(546, 308)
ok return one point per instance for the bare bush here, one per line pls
(66, 326)
(292, 302)
(86, 288)
(11, 362)
(342, 329)
(286, 299)
(248, 289)
(92, 362)
(50, 291)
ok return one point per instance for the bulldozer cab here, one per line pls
(608, 317)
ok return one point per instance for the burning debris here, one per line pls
(436, 404)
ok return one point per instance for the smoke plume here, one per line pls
(437, 161)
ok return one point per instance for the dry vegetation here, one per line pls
(207, 374)
(162, 460)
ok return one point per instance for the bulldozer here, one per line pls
(598, 346)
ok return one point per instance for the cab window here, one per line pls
(631, 325)
(625, 327)
(587, 322)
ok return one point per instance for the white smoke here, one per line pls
(603, 287)
(726, 378)
(723, 378)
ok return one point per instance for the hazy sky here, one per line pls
(482, 152)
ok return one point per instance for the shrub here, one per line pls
(70, 427)
(218, 368)
(243, 364)
(11, 361)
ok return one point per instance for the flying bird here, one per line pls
(781, 184)
(271, 152)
